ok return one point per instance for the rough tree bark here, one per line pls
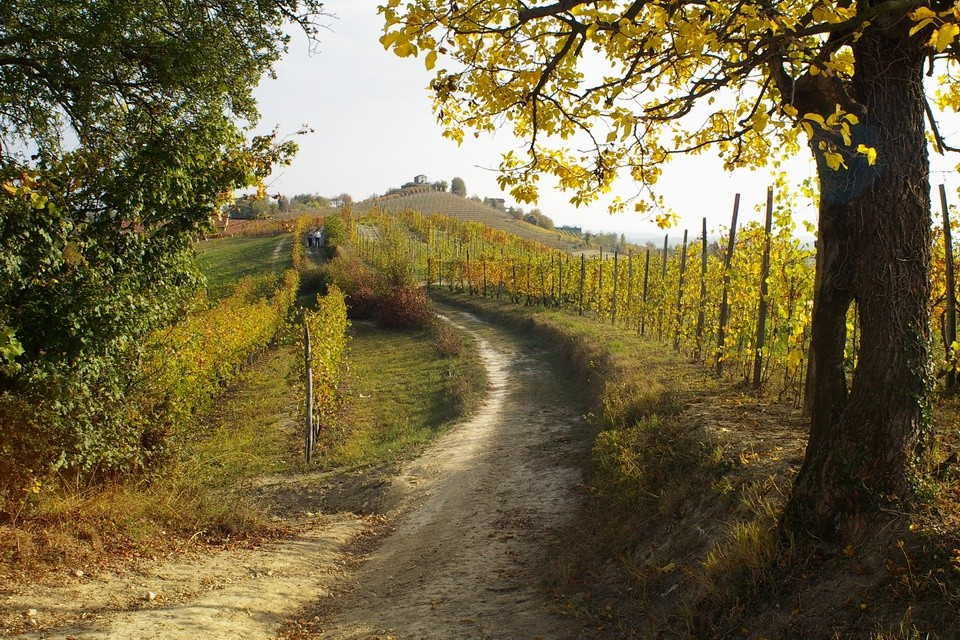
(873, 247)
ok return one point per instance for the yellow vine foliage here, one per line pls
(191, 361)
(474, 258)
(328, 341)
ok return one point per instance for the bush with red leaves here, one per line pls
(405, 308)
(357, 282)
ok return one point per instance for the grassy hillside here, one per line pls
(226, 261)
(464, 209)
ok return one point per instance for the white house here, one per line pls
(421, 179)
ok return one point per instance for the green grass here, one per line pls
(226, 261)
(401, 393)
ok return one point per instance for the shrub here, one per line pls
(358, 284)
(448, 340)
(405, 308)
(334, 232)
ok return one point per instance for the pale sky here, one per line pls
(374, 129)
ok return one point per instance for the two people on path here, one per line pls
(314, 237)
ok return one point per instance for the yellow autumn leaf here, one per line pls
(922, 13)
(431, 60)
(869, 152)
(388, 39)
(945, 35)
(834, 160)
(920, 25)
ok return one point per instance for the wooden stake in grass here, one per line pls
(683, 269)
(583, 276)
(643, 308)
(703, 290)
(613, 299)
(500, 282)
(629, 283)
(559, 299)
(724, 305)
(599, 290)
(308, 417)
(950, 328)
(663, 286)
(762, 312)
(483, 261)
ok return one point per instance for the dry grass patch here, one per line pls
(201, 495)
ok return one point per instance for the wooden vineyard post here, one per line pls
(683, 269)
(629, 283)
(643, 307)
(429, 272)
(762, 312)
(950, 329)
(500, 283)
(663, 286)
(701, 311)
(613, 300)
(454, 260)
(541, 298)
(583, 276)
(308, 392)
(553, 281)
(528, 288)
(599, 290)
(559, 300)
(483, 261)
(724, 305)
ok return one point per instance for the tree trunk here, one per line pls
(873, 247)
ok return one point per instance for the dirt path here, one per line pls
(464, 558)
(281, 248)
(460, 555)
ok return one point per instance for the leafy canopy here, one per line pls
(122, 128)
(124, 124)
(600, 88)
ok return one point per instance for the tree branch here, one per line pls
(533, 13)
(941, 145)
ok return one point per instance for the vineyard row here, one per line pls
(742, 305)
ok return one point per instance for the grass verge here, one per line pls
(678, 536)
(403, 388)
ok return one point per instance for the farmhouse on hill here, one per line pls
(420, 179)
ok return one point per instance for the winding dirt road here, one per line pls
(460, 554)
(479, 506)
